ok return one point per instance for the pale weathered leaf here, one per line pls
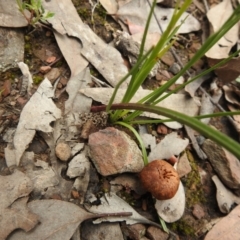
(14, 212)
(77, 102)
(112, 203)
(225, 197)
(106, 59)
(217, 16)
(172, 209)
(177, 102)
(59, 220)
(37, 114)
(207, 107)
(171, 145)
(135, 14)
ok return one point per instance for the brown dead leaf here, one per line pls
(232, 95)
(227, 72)
(15, 213)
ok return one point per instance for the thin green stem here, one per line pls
(144, 153)
(197, 125)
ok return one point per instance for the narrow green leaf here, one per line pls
(144, 153)
(195, 124)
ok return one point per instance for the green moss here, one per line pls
(37, 79)
(193, 185)
(182, 226)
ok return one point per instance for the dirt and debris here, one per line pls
(61, 165)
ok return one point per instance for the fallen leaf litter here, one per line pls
(40, 115)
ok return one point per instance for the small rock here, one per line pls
(50, 59)
(156, 234)
(227, 227)
(112, 151)
(225, 164)
(77, 166)
(198, 211)
(168, 58)
(53, 74)
(135, 231)
(63, 151)
(44, 69)
(162, 129)
(183, 166)
(175, 68)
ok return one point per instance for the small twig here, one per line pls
(206, 5)
(119, 214)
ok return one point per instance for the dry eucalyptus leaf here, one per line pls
(17, 216)
(229, 71)
(207, 107)
(15, 213)
(59, 220)
(37, 115)
(217, 16)
(135, 14)
(171, 145)
(227, 228)
(77, 102)
(232, 94)
(225, 197)
(172, 209)
(192, 87)
(112, 203)
(177, 102)
(106, 59)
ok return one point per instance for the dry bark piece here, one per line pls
(160, 179)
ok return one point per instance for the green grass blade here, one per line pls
(195, 124)
(144, 153)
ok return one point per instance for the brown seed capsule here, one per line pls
(160, 179)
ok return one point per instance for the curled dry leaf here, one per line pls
(225, 198)
(217, 16)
